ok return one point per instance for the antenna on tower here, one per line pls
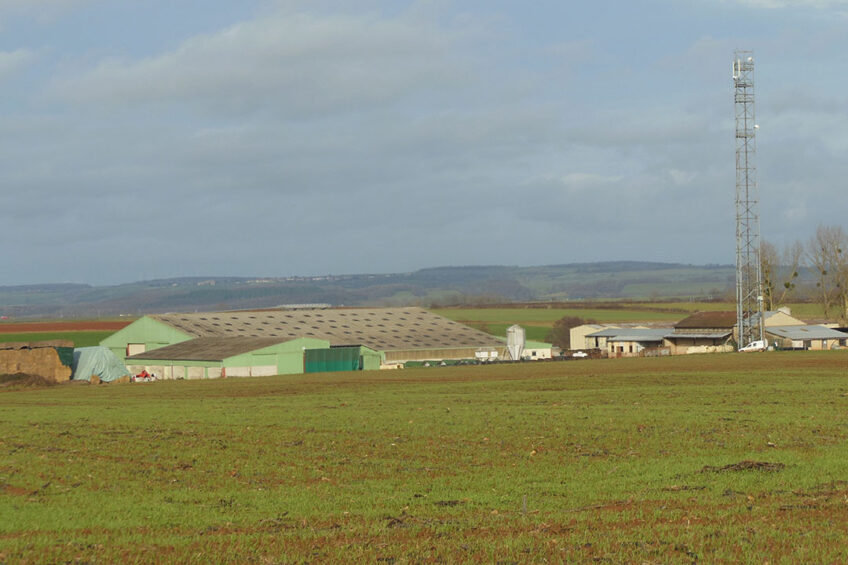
(749, 294)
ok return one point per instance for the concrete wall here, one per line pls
(623, 348)
(534, 353)
(689, 346)
(169, 370)
(628, 348)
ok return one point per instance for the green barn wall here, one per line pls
(371, 360)
(288, 356)
(152, 333)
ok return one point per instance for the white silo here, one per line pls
(515, 340)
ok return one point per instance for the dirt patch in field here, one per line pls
(21, 380)
(764, 466)
(683, 488)
(71, 326)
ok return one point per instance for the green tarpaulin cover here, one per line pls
(98, 361)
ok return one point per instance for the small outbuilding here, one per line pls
(634, 341)
(537, 350)
(578, 336)
(806, 337)
(703, 332)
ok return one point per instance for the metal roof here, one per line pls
(704, 320)
(381, 329)
(209, 348)
(609, 332)
(618, 331)
(633, 334)
(699, 335)
(806, 332)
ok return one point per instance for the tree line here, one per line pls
(824, 255)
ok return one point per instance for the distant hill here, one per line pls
(435, 286)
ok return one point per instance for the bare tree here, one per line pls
(828, 255)
(769, 264)
(792, 262)
(780, 272)
(560, 334)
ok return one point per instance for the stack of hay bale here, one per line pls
(48, 359)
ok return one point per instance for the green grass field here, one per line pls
(714, 458)
(80, 338)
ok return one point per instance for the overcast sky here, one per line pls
(145, 139)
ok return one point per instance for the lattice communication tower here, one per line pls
(749, 294)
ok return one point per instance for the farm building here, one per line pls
(536, 350)
(703, 332)
(600, 335)
(255, 341)
(634, 342)
(779, 317)
(214, 357)
(715, 332)
(806, 337)
(577, 335)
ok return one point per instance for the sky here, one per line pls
(144, 139)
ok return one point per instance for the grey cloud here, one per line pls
(776, 4)
(297, 64)
(13, 61)
(40, 10)
(355, 143)
(649, 128)
(20, 5)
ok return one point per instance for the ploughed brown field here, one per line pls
(63, 326)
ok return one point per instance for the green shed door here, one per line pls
(331, 360)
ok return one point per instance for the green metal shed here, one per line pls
(215, 357)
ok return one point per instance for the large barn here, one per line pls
(247, 343)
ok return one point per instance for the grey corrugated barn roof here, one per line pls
(381, 329)
(636, 334)
(806, 332)
(209, 348)
(699, 335)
